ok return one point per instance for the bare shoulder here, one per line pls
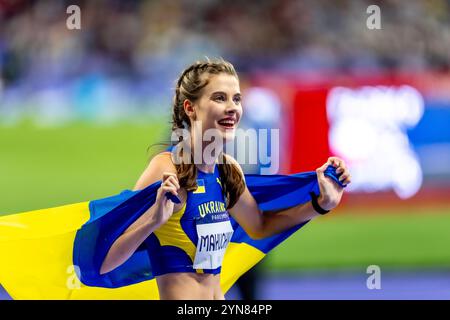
(160, 163)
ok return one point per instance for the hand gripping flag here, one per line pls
(56, 253)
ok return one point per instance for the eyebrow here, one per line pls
(221, 92)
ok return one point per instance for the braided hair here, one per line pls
(189, 86)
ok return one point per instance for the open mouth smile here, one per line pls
(227, 123)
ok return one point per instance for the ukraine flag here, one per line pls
(56, 253)
(200, 186)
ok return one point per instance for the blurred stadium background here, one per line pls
(79, 108)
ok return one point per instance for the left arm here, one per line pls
(259, 224)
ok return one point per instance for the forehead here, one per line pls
(222, 82)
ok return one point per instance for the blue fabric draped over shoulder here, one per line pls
(110, 217)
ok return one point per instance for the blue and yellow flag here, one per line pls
(56, 253)
(200, 186)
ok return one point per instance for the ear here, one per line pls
(189, 109)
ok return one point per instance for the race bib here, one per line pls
(214, 233)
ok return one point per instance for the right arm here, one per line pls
(152, 219)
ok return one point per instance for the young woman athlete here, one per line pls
(186, 241)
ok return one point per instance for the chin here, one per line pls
(227, 134)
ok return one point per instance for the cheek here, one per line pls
(209, 113)
(240, 111)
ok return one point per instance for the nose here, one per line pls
(230, 111)
(232, 108)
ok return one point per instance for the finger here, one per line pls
(325, 165)
(340, 169)
(174, 181)
(341, 163)
(346, 181)
(170, 189)
(331, 160)
(336, 162)
(169, 183)
(167, 175)
(320, 171)
(344, 176)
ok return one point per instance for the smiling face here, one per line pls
(219, 106)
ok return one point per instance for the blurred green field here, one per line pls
(46, 167)
(411, 238)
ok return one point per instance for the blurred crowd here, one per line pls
(130, 52)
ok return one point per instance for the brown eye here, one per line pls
(237, 100)
(219, 98)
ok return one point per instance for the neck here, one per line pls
(208, 168)
(205, 162)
